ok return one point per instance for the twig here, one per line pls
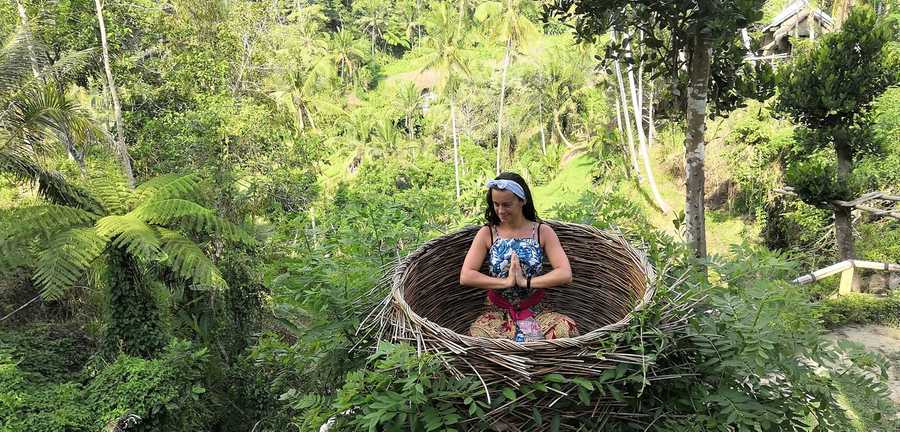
(20, 308)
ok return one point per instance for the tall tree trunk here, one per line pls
(506, 59)
(455, 145)
(121, 149)
(409, 130)
(309, 116)
(135, 326)
(621, 84)
(651, 129)
(541, 119)
(637, 103)
(559, 131)
(640, 73)
(29, 44)
(629, 170)
(694, 145)
(843, 229)
(840, 10)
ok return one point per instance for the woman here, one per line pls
(515, 241)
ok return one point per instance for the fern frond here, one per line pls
(43, 221)
(112, 192)
(191, 216)
(171, 210)
(66, 258)
(187, 260)
(167, 186)
(132, 234)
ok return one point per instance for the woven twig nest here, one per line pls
(428, 308)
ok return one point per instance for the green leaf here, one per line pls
(557, 378)
(509, 393)
(65, 259)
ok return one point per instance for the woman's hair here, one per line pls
(490, 215)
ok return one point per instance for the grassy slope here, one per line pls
(722, 230)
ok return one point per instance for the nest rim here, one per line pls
(396, 278)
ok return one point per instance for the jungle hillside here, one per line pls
(202, 202)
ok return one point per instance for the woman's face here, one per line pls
(506, 204)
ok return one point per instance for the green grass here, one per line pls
(722, 229)
(573, 180)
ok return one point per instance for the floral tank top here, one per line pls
(531, 258)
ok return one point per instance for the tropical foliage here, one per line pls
(286, 153)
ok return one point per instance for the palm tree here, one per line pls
(565, 77)
(407, 21)
(408, 101)
(527, 111)
(300, 92)
(510, 26)
(35, 113)
(372, 19)
(125, 235)
(346, 53)
(446, 53)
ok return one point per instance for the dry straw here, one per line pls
(428, 308)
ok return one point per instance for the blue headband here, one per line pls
(507, 185)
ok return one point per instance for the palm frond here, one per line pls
(131, 234)
(66, 259)
(15, 61)
(51, 185)
(167, 186)
(35, 118)
(70, 66)
(187, 260)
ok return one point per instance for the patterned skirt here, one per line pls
(496, 323)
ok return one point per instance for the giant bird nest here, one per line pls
(428, 308)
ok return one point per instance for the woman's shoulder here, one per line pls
(484, 234)
(546, 231)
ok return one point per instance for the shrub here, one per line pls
(47, 351)
(167, 393)
(858, 308)
(26, 406)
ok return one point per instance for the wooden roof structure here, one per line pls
(799, 19)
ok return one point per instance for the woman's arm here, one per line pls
(562, 272)
(470, 275)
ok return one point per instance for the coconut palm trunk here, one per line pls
(636, 100)
(694, 143)
(632, 154)
(121, 148)
(506, 60)
(455, 145)
(630, 170)
(541, 119)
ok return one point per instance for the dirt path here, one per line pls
(885, 340)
